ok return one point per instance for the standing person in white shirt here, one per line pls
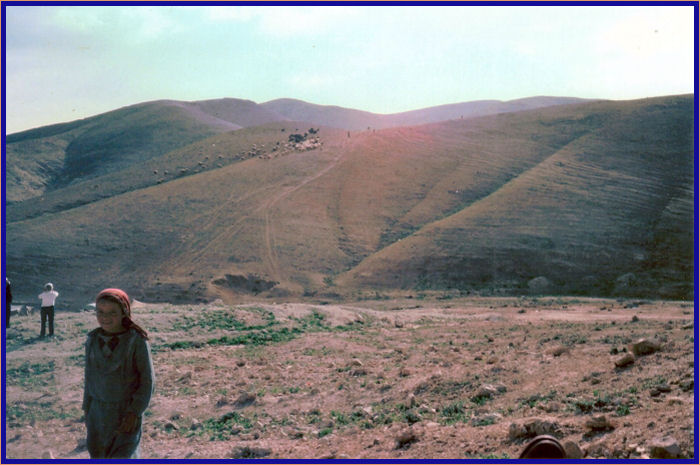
(48, 300)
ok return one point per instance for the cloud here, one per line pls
(649, 33)
(122, 24)
(285, 21)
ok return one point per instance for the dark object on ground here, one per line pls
(543, 447)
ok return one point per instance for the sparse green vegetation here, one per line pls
(454, 413)
(225, 427)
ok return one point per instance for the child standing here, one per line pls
(118, 379)
(48, 300)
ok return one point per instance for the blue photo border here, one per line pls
(694, 4)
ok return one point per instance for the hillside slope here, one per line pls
(597, 197)
(608, 212)
(45, 159)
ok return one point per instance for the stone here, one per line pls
(487, 390)
(539, 285)
(244, 400)
(573, 451)
(487, 419)
(645, 347)
(599, 423)
(246, 452)
(598, 450)
(687, 385)
(663, 387)
(664, 448)
(558, 351)
(532, 427)
(625, 360)
(517, 431)
(405, 439)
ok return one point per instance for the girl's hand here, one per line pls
(129, 423)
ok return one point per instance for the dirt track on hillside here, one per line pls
(388, 379)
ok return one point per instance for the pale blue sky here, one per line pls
(69, 62)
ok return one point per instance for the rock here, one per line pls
(558, 351)
(598, 450)
(552, 407)
(599, 423)
(645, 347)
(517, 431)
(246, 452)
(532, 427)
(625, 360)
(573, 451)
(687, 385)
(170, 426)
(487, 391)
(663, 387)
(196, 424)
(539, 285)
(244, 400)
(487, 419)
(664, 448)
(48, 455)
(625, 284)
(405, 439)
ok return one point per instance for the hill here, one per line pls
(343, 118)
(593, 198)
(48, 158)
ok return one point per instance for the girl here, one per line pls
(118, 379)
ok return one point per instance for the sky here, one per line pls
(69, 62)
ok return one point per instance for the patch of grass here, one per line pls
(221, 319)
(32, 412)
(226, 426)
(454, 413)
(622, 410)
(31, 374)
(533, 400)
(259, 335)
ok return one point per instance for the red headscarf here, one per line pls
(121, 297)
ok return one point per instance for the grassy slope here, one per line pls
(579, 193)
(45, 159)
(594, 209)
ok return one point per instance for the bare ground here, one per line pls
(411, 378)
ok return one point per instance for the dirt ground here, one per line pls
(439, 377)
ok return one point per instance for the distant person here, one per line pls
(8, 302)
(48, 301)
(118, 379)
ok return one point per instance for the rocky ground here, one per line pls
(422, 377)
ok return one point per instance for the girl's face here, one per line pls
(109, 316)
